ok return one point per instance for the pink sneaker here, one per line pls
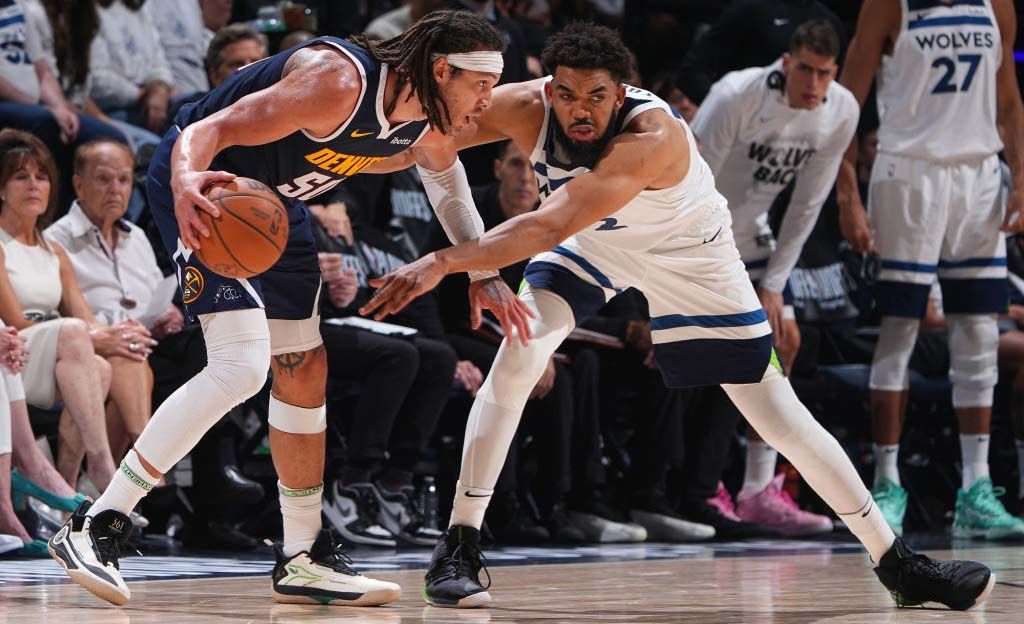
(774, 508)
(722, 501)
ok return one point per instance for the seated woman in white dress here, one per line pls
(39, 296)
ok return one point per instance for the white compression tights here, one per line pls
(776, 413)
(238, 358)
(499, 404)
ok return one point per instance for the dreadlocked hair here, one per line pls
(411, 54)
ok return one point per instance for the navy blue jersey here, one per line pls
(300, 166)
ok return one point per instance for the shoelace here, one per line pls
(338, 560)
(989, 501)
(457, 564)
(921, 564)
(723, 501)
(109, 550)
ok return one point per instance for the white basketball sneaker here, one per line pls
(324, 575)
(89, 548)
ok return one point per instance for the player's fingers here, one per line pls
(522, 325)
(524, 314)
(474, 313)
(218, 176)
(204, 204)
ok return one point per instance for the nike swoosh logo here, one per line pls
(611, 224)
(865, 514)
(708, 240)
(472, 495)
(357, 134)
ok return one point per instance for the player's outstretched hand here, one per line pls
(494, 295)
(1014, 221)
(396, 289)
(189, 199)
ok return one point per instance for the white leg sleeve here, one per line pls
(776, 413)
(892, 354)
(499, 403)
(238, 358)
(973, 369)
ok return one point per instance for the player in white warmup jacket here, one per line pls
(948, 102)
(628, 202)
(760, 130)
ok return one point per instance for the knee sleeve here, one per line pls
(237, 352)
(892, 354)
(973, 369)
(238, 358)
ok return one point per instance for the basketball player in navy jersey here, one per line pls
(627, 201)
(301, 122)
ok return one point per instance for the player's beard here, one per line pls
(570, 151)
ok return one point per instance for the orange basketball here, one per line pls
(250, 233)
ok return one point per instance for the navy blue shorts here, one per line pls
(289, 290)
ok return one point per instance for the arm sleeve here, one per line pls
(452, 200)
(809, 193)
(718, 123)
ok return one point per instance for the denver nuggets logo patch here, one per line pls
(192, 284)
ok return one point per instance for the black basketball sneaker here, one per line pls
(88, 549)
(914, 579)
(453, 579)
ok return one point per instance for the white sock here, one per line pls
(300, 512)
(885, 463)
(974, 454)
(760, 467)
(1020, 468)
(130, 483)
(470, 506)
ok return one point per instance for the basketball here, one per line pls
(250, 233)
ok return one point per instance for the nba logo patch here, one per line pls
(192, 284)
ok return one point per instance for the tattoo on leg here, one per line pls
(289, 362)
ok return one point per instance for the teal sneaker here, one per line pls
(980, 514)
(892, 502)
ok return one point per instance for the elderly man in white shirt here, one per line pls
(117, 274)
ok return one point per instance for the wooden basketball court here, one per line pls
(707, 588)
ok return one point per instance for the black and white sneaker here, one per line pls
(453, 579)
(352, 512)
(914, 579)
(324, 576)
(88, 549)
(396, 513)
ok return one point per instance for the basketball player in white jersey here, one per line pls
(759, 130)
(948, 103)
(628, 201)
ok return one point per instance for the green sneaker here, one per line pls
(892, 502)
(980, 514)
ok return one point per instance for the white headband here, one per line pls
(487, 61)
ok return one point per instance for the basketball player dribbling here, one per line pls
(627, 201)
(301, 122)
